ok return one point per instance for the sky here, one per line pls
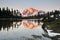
(46, 5)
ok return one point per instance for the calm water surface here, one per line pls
(23, 30)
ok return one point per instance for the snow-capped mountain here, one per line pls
(31, 11)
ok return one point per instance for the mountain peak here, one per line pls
(31, 11)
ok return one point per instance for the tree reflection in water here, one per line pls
(14, 24)
(8, 24)
(30, 24)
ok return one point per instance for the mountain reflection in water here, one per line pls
(23, 30)
(30, 24)
(14, 24)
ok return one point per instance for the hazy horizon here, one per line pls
(47, 5)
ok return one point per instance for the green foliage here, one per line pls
(55, 26)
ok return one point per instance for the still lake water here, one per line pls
(23, 30)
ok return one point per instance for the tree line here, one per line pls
(7, 13)
(49, 16)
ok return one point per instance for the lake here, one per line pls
(25, 30)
